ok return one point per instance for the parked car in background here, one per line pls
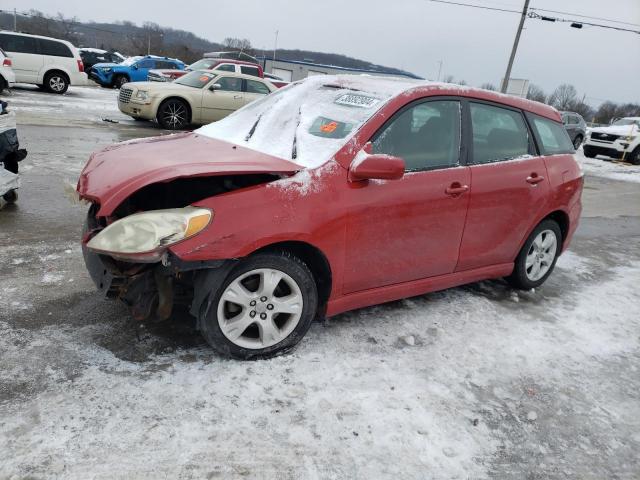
(213, 64)
(91, 56)
(332, 194)
(575, 126)
(276, 80)
(50, 63)
(199, 97)
(621, 138)
(7, 76)
(242, 56)
(133, 69)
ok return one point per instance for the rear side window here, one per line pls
(250, 70)
(18, 43)
(146, 64)
(552, 136)
(257, 87)
(426, 135)
(226, 67)
(53, 48)
(498, 134)
(166, 64)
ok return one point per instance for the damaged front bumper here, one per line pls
(151, 290)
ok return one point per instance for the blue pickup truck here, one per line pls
(133, 69)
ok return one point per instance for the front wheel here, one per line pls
(538, 256)
(119, 81)
(173, 115)
(634, 157)
(263, 308)
(11, 197)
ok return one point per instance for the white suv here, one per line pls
(50, 63)
(7, 77)
(621, 138)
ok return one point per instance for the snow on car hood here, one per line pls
(296, 122)
(114, 173)
(618, 129)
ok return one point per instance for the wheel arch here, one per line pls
(560, 217)
(317, 262)
(57, 70)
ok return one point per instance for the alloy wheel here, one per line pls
(175, 115)
(57, 83)
(541, 255)
(260, 308)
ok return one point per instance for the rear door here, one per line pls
(141, 72)
(254, 90)
(25, 56)
(217, 104)
(509, 186)
(409, 229)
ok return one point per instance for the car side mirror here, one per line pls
(215, 86)
(135, 67)
(376, 167)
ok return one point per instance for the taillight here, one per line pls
(6, 62)
(80, 66)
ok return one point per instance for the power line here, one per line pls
(586, 16)
(579, 23)
(474, 6)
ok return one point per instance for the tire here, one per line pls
(541, 251)
(634, 157)
(262, 334)
(588, 152)
(119, 81)
(173, 114)
(3, 84)
(577, 141)
(56, 82)
(11, 197)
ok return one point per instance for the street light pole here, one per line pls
(505, 80)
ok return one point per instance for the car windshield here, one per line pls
(627, 121)
(204, 64)
(197, 79)
(307, 121)
(130, 61)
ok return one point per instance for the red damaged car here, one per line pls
(331, 194)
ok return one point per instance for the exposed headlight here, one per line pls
(106, 69)
(146, 235)
(142, 95)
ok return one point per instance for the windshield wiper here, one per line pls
(253, 129)
(294, 147)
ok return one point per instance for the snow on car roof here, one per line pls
(310, 120)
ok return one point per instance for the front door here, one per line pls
(509, 187)
(408, 229)
(217, 104)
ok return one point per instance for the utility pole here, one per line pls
(15, 20)
(439, 70)
(275, 46)
(505, 80)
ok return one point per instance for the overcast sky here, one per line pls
(473, 44)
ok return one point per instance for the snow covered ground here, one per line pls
(608, 168)
(470, 383)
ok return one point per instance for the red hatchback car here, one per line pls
(331, 194)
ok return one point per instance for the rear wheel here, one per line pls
(11, 197)
(3, 84)
(56, 82)
(263, 308)
(538, 256)
(173, 114)
(577, 142)
(588, 152)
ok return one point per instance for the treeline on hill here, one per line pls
(130, 39)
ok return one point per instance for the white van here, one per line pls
(47, 62)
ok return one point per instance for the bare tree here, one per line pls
(536, 94)
(564, 97)
(238, 44)
(488, 86)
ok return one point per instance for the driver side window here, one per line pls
(230, 84)
(426, 135)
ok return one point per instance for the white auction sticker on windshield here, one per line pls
(354, 100)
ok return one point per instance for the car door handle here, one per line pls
(535, 179)
(456, 189)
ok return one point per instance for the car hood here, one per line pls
(158, 88)
(617, 130)
(114, 173)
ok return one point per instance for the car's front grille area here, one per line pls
(125, 95)
(605, 137)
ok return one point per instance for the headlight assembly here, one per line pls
(145, 236)
(142, 95)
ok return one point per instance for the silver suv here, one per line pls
(575, 126)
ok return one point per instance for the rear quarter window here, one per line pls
(552, 137)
